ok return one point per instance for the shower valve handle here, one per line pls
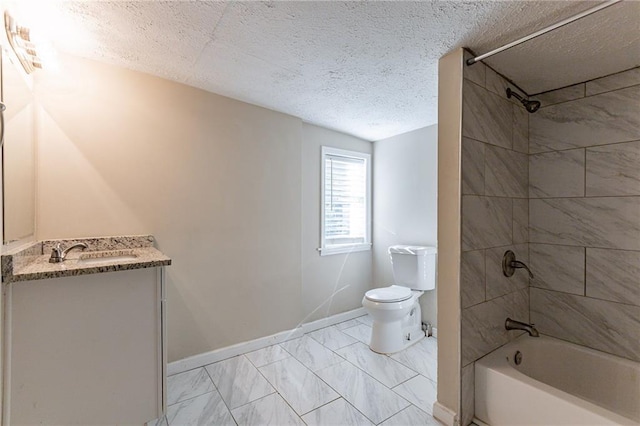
(510, 264)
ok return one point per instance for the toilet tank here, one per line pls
(414, 266)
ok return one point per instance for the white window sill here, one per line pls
(327, 251)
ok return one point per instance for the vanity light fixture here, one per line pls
(20, 40)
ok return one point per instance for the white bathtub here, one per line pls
(557, 383)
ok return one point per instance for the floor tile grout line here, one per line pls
(366, 373)
(351, 405)
(311, 371)
(264, 396)
(204, 393)
(269, 363)
(395, 414)
(255, 400)
(390, 357)
(339, 331)
(336, 391)
(370, 375)
(309, 368)
(340, 396)
(326, 403)
(218, 390)
(191, 397)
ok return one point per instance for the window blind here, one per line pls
(345, 200)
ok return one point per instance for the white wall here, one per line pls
(405, 181)
(219, 183)
(335, 283)
(18, 152)
(230, 190)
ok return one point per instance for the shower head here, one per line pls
(530, 106)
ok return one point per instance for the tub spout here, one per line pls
(510, 324)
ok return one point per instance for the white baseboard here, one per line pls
(434, 332)
(207, 358)
(333, 319)
(479, 422)
(445, 415)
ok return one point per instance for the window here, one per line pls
(346, 201)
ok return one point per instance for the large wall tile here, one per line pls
(498, 85)
(520, 220)
(482, 328)
(520, 129)
(472, 278)
(486, 116)
(486, 222)
(557, 174)
(606, 326)
(475, 72)
(467, 387)
(561, 95)
(614, 169)
(559, 268)
(605, 222)
(595, 120)
(614, 275)
(505, 172)
(472, 167)
(497, 284)
(614, 81)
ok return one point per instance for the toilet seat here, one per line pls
(390, 294)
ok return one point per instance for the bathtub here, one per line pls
(556, 383)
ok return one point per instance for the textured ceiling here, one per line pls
(364, 68)
(603, 43)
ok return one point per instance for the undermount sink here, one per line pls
(100, 257)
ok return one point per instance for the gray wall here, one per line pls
(405, 178)
(223, 185)
(494, 219)
(584, 188)
(335, 283)
(561, 187)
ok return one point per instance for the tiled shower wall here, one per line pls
(561, 188)
(584, 211)
(494, 219)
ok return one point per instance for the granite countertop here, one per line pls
(108, 254)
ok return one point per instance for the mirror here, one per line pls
(18, 152)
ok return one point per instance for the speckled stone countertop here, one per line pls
(108, 254)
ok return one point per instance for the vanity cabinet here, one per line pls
(86, 349)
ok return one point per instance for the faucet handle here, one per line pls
(518, 264)
(56, 254)
(510, 264)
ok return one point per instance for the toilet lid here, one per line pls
(394, 293)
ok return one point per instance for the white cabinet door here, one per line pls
(86, 349)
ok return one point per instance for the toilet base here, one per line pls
(382, 346)
(393, 336)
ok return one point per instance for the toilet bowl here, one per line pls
(396, 313)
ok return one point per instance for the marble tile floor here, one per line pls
(328, 377)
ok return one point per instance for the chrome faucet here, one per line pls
(510, 324)
(58, 255)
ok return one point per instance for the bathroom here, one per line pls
(231, 192)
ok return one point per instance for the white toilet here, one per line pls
(396, 313)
